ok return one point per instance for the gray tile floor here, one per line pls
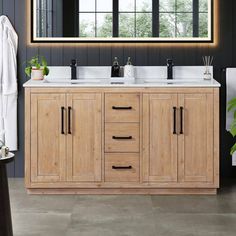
(123, 215)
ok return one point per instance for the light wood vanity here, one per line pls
(122, 140)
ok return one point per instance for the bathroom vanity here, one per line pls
(147, 137)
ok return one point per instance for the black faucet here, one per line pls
(73, 66)
(170, 69)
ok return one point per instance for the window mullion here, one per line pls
(155, 18)
(115, 17)
(195, 18)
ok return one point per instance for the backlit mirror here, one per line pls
(122, 20)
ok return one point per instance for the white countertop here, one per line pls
(139, 83)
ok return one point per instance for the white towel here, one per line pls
(8, 83)
(231, 93)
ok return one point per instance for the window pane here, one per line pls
(167, 25)
(143, 25)
(126, 25)
(87, 5)
(143, 5)
(203, 25)
(184, 5)
(104, 25)
(87, 24)
(104, 5)
(167, 5)
(184, 25)
(127, 5)
(203, 5)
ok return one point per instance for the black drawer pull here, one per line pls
(62, 120)
(121, 108)
(115, 137)
(174, 118)
(69, 120)
(121, 167)
(181, 120)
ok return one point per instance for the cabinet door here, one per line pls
(195, 145)
(160, 143)
(85, 141)
(48, 144)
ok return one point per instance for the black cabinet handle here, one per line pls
(69, 120)
(115, 137)
(174, 114)
(121, 167)
(62, 120)
(121, 108)
(181, 120)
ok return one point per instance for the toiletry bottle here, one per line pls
(129, 69)
(115, 70)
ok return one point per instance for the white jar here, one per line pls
(129, 71)
(37, 74)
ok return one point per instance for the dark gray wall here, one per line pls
(224, 53)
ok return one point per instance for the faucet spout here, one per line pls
(73, 66)
(170, 69)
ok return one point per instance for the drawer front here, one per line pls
(122, 107)
(122, 167)
(122, 137)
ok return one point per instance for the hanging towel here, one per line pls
(8, 83)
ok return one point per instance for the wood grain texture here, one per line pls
(195, 145)
(122, 160)
(122, 130)
(160, 144)
(84, 145)
(118, 191)
(47, 143)
(122, 100)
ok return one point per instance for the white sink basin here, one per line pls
(78, 81)
(174, 81)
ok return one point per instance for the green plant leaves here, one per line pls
(45, 71)
(233, 149)
(231, 107)
(38, 62)
(28, 70)
(231, 104)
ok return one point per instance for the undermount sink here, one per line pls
(174, 81)
(78, 81)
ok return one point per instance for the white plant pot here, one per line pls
(37, 74)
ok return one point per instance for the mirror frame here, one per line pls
(35, 39)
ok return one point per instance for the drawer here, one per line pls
(122, 137)
(122, 167)
(122, 107)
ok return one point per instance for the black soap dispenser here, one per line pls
(115, 69)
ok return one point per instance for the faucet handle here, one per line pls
(169, 62)
(73, 62)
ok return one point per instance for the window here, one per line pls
(95, 18)
(143, 18)
(122, 20)
(44, 18)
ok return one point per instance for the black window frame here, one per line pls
(155, 29)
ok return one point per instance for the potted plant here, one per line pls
(232, 108)
(37, 68)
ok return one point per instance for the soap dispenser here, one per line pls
(129, 69)
(115, 69)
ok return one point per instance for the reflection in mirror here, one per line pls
(127, 20)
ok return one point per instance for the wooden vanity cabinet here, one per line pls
(180, 131)
(47, 143)
(84, 137)
(64, 138)
(122, 141)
